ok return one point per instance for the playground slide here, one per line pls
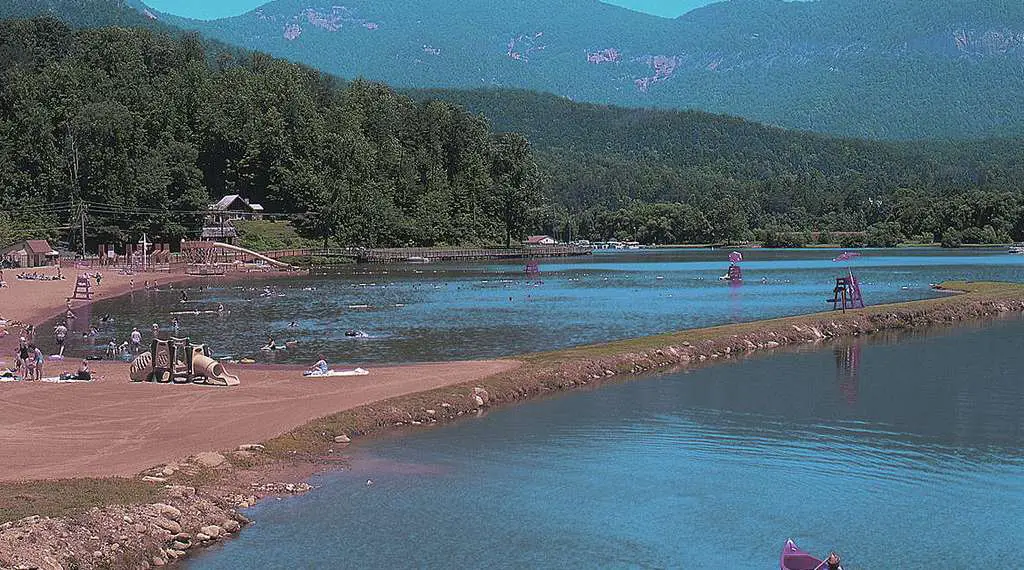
(269, 260)
(214, 371)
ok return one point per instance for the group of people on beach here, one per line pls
(36, 276)
(28, 360)
(29, 364)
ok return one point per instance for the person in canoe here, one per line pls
(833, 561)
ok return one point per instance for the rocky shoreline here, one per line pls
(200, 497)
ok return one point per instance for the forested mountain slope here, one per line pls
(143, 129)
(654, 175)
(890, 69)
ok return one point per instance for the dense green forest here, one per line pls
(667, 176)
(141, 128)
(137, 131)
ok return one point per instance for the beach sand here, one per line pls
(112, 427)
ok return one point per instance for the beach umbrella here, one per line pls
(735, 257)
(846, 256)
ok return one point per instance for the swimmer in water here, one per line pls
(271, 344)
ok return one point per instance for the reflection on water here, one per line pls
(848, 370)
(478, 310)
(902, 454)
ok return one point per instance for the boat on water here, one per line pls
(793, 558)
(1017, 249)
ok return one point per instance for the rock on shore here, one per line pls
(136, 536)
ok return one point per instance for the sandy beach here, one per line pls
(112, 427)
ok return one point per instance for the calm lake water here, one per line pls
(898, 455)
(478, 310)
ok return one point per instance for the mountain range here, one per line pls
(884, 69)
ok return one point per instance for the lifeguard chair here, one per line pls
(735, 274)
(846, 294)
(83, 289)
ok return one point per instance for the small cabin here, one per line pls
(233, 207)
(220, 222)
(29, 253)
(540, 240)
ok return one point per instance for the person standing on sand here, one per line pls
(23, 354)
(36, 359)
(156, 331)
(60, 334)
(136, 341)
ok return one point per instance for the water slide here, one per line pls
(269, 260)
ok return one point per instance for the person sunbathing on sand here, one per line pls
(320, 367)
(83, 374)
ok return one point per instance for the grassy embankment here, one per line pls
(539, 375)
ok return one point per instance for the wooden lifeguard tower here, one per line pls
(846, 294)
(83, 289)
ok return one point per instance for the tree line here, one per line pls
(138, 130)
(665, 176)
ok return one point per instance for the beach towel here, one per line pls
(59, 380)
(332, 373)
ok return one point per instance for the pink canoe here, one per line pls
(795, 559)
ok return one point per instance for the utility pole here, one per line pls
(82, 218)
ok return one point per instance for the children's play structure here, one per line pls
(179, 361)
(210, 257)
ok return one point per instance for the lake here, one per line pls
(902, 450)
(438, 311)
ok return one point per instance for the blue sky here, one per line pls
(211, 9)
